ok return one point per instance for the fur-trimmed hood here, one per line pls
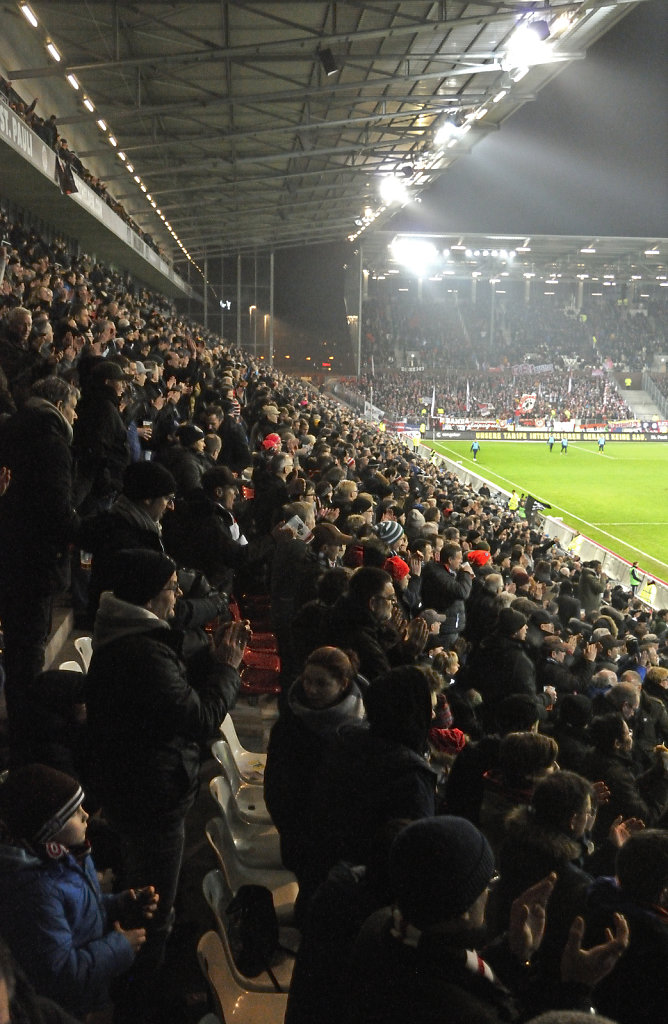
(523, 831)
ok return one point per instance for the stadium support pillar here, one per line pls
(359, 316)
(255, 306)
(238, 300)
(206, 291)
(271, 308)
(580, 297)
(474, 290)
(527, 290)
(492, 310)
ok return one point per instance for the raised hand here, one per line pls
(589, 966)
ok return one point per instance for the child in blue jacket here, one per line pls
(65, 934)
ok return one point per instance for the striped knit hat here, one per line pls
(36, 801)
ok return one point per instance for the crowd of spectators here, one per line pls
(451, 342)
(47, 130)
(559, 395)
(458, 690)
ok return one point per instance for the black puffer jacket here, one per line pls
(37, 518)
(498, 668)
(378, 646)
(148, 714)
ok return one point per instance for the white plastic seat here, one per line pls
(257, 845)
(210, 1018)
(218, 895)
(250, 766)
(70, 666)
(282, 883)
(84, 648)
(249, 799)
(236, 1004)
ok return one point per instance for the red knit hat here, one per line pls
(396, 567)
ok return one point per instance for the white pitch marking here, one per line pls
(592, 526)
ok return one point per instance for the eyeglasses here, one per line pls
(170, 498)
(174, 587)
(384, 597)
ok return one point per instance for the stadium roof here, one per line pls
(544, 257)
(261, 125)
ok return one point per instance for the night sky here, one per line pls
(588, 157)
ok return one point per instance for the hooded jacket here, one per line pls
(59, 927)
(37, 517)
(297, 745)
(148, 713)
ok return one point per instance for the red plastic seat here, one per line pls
(269, 661)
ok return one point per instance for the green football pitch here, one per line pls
(618, 498)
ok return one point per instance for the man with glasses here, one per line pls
(150, 710)
(363, 621)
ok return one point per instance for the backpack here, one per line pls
(253, 931)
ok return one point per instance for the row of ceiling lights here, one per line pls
(526, 47)
(54, 53)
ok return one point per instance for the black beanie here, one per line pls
(438, 868)
(189, 434)
(147, 480)
(36, 801)
(398, 707)
(510, 621)
(140, 574)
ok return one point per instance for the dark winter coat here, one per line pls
(498, 668)
(645, 796)
(636, 991)
(148, 714)
(590, 590)
(37, 518)
(393, 982)
(100, 444)
(564, 678)
(186, 466)
(528, 853)
(364, 781)
(199, 535)
(446, 592)
(127, 525)
(378, 646)
(297, 745)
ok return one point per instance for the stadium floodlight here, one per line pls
(88, 104)
(102, 124)
(393, 190)
(29, 14)
(74, 82)
(527, 46)
(416, 253)
(53, 51)
(113, 141)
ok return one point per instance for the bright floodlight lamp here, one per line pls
(392, 190)
(328, 61)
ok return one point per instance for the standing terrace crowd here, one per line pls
(460, 695)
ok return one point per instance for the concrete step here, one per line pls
(642, 405)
